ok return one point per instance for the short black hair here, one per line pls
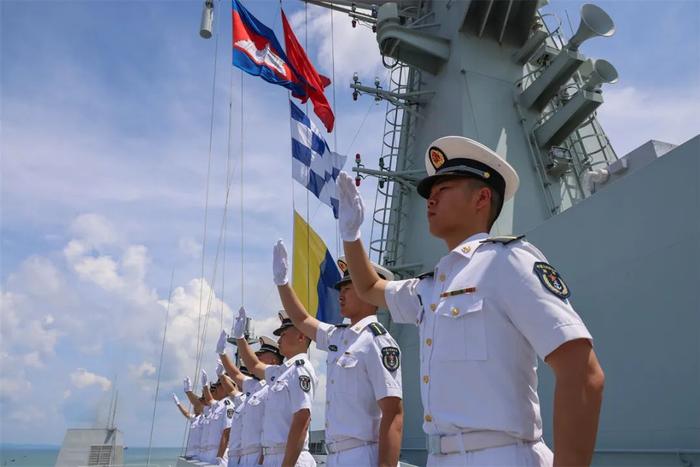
(496, 199)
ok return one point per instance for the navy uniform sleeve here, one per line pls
(383, 363)
(536, 300)
(323, 335)
(301, 389)
(403, 301)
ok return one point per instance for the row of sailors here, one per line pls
(489, 308)
(259, 413)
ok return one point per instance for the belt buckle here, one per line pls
(434, 444)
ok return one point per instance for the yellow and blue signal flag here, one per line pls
(314, 274)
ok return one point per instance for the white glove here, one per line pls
(220, 462)
(219, 369)
(280, 265)
(204, 378)
(176, 400)
(351, 210)
(221, 343)
(187, 384)
(239, 325)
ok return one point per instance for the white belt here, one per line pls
(471, 441)
(346, 444)
(249, 450)
(276, 449)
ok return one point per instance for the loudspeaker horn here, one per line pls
(594, 22)
(603, 72)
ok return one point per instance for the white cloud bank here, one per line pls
(81, 378)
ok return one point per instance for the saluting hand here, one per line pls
(239, 326)
(176, 400)
(204, 378)
(280, 264)
(221, 343)
(219, 369)
(351, 210)
(187, 384)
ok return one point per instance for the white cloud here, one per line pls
(81, 378)
(96, 230)
(190, 247)
(631, 116)
(145, 369)
(356, 49)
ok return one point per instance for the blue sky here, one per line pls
(106, 111)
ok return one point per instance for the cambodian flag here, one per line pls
(257, 52)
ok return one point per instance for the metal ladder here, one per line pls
(389, 213)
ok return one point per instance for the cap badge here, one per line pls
(437, 157)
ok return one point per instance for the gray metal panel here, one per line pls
(631, 256)
(75, 450)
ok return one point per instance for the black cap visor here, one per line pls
(463, 168)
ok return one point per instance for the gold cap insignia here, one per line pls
(343, 266)
(437, 157)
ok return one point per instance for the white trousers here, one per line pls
(249, 460)
(535, 454)
(275, 460)
(361, 455)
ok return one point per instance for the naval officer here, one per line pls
(487, 311)
(246, 448)
(364, 411)
(287, 413)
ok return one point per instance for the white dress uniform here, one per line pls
(191, 450)
(252, 421)
(363, 366)
(234, 439)
(201, 435)
(220, 417)
(291, 389)
(490, 308)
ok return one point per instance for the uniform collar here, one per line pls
(363, 323)
(290, 361)
(468, 246)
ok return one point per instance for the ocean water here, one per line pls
(12, 457)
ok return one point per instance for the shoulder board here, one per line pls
(426, 274)
(504, 240)
(227, 402)
(341, 325)
(299, 362)
(377, 329)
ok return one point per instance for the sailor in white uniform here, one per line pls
(489, 308)
(218, 427)
(245, 448)
(196, 434)
(193, 418)
(285, 431)
(364, 411)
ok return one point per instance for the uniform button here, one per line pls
(442, 278)
(454, 311)
(426, 379)
(427, 418)
(428, 342)
(433, 307)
